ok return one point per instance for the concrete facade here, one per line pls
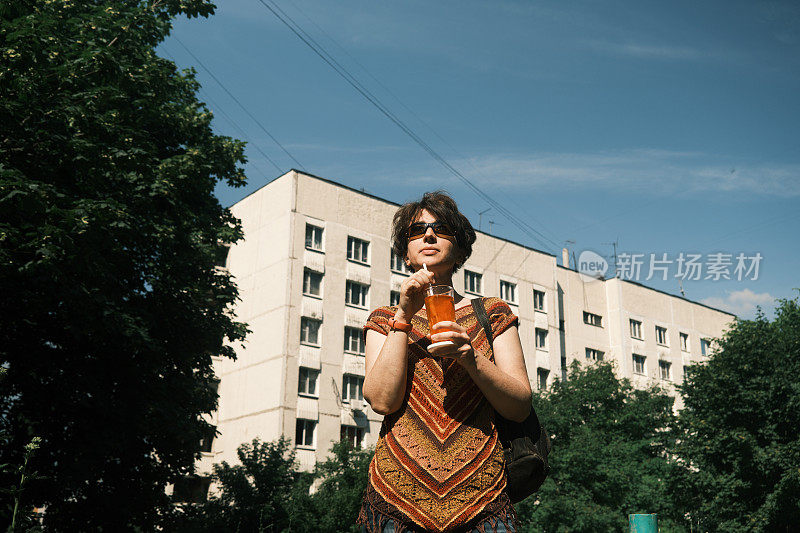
(278, 275)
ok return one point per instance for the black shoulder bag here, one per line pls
(525, 444)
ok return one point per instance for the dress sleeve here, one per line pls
(501, 317)
(379, 320)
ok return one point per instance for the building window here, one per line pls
(541, 377)
(356, 294)
(309, 331)
(353, 435)
(636, 329)
(538, 300)
(307, 381)
(207, 441)
(394, 298)
(398, 265)
(594, 355)
(638, 364)
(705, 346)
(685, 342)
(191, 489)
(661, 335)
(664, 370)
(304, 432)
(508, 291)
(353, 340)
(312, 283)
(313, 237)
(592, 319)
(472, 282)
(685, 372)
(352, 387)
(357, 250)
(541, 338)
(221, 255)
(214, 386)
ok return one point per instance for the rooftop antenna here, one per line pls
(480, 217)
(565, 254)
(680, 284)
(491, 222)
(615, 254)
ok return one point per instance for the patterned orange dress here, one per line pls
(438, 463)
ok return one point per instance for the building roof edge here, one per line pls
(662, 292)
(374, 197)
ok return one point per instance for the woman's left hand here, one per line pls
(461, 349)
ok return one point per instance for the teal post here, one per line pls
(643, 523)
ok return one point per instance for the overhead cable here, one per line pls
(247, 111)
(349, 78)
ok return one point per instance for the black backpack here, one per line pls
(525, 444)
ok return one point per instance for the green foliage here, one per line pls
(268, 493)
(741, 427)
(109, 230)
(344, 479)
(729, 464)
(255, 495)
(609, 457)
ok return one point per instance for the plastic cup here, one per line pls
(440, 305)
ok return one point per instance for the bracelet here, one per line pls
(396, 325)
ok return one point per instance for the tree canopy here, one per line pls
(741, 427)
(267, 491)
(112, 307)
(610, 454)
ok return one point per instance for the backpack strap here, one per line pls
(525, 444)
(483, 319)
(508, 430)
(503, 425)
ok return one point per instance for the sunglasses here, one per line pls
(417, 230)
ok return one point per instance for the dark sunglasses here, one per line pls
(417, 230)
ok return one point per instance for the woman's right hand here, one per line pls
(412, 294)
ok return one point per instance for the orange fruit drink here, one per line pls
(440, 307)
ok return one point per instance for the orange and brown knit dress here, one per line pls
(438, 463)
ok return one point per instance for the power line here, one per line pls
(235, 126)
(415, 115)
(240, 104)
(243, 134)
(350, 79)
(755, 227)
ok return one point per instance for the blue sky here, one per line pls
(668, 127)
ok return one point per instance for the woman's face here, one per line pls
(438, 253)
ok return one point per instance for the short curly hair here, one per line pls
(444, 208)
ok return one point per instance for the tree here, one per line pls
(267, 492)
(262, 493)
(110, 303)
(741, 427)
(343, 482)
(609, 458)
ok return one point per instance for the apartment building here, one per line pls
(316, 258)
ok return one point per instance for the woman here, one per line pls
(438, 464)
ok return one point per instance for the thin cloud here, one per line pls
(648, 51)
(345, 149)
(741, 303)
(640, 170)
(666, 52)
